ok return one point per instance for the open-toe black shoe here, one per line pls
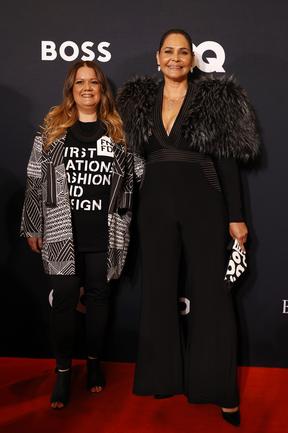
(232, 417)
(61, 390)
(95, 375)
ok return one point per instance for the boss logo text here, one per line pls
(69, 51)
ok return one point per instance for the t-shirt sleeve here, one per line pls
(230, 179)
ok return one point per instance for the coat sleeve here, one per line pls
(135, 101)
(230, 180)
(237, 139)
(32, 220)
(138, 167)
(237, 123)
(222, 122)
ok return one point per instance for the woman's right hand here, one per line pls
(35, 244)
(239, 231)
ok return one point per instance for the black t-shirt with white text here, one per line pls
(88, 157)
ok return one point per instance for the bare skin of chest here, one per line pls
(170, 111)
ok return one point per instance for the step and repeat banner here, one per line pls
(39, 41)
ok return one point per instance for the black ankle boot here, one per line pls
(61, 390)
(232, 417)
(95, 375)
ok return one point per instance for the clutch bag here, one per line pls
(237, 264)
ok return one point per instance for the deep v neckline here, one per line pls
(174, 136)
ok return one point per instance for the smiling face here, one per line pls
(86, 90)
(175, 57)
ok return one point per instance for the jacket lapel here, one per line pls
(118, 168)
(53, 157)
(55, 151)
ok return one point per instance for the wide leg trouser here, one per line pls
(182, 218)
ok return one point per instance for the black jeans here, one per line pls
(92, 274)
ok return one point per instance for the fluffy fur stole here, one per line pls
(220, 120)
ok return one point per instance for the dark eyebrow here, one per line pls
(77, 79)
(181, 48)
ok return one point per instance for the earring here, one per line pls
(191, 70)
(158, 67)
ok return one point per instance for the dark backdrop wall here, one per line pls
(248, 39)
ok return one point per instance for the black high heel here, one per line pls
(61, 390)
(95, 375)
(232, 417)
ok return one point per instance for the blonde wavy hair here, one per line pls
(64, 115)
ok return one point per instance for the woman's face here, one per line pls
(175, 57)
(86, 90)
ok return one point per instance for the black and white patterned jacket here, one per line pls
(47, 211)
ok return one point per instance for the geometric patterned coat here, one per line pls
(47, 212)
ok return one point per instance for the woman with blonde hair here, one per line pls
(77, 211)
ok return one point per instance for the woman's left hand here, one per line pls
(239, 231)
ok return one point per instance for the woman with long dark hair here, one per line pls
(77, 214)
(187, 135)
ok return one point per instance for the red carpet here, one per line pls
(25, 386)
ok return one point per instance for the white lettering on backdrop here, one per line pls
(70, 51)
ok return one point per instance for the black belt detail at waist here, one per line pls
(165, 154)
(176, 155)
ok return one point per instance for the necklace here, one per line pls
(171, 102)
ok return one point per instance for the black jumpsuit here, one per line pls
(186, 203)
